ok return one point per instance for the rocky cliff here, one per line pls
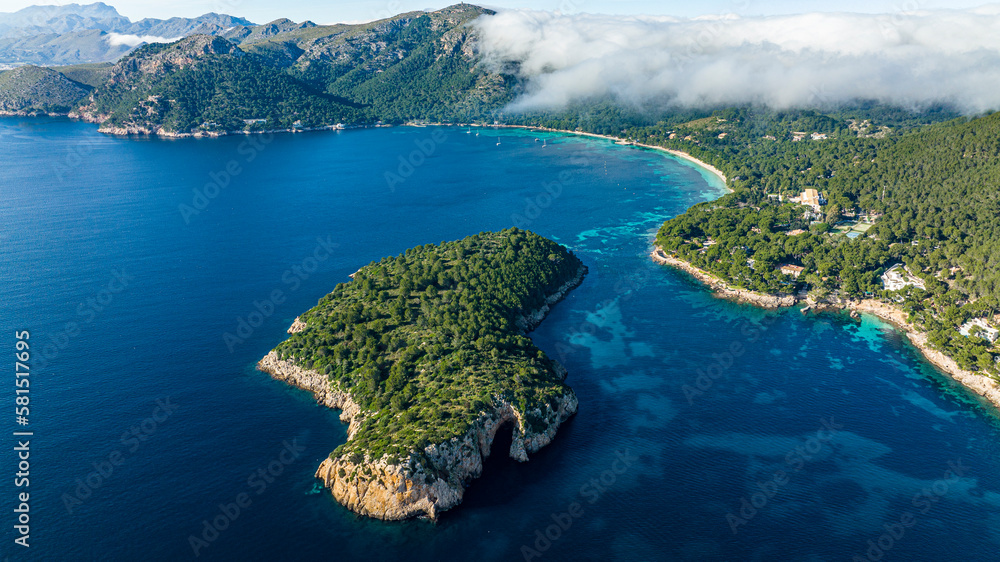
(532, 319)
(423, 484)
(435, 481)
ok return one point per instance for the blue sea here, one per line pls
(707, 430)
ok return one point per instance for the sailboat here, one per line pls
(498, 141)
(544, 142)
(469, 131)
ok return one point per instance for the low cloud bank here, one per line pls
(116, 39)
(914, 59)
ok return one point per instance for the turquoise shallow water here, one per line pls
(707, 430)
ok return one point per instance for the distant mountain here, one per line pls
(30, 89)
(282, 75)
(75, 47)
(208, 24)
(74, 33)
(35, 20)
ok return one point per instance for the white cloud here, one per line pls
(115, 39)
(912, 59)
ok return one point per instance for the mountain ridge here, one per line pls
(75, 33)
(288, 76)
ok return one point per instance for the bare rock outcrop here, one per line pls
(423, 484)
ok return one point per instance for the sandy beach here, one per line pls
(679, 154)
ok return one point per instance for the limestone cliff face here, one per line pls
(433, 480)
(319, 385)
(421, 485)
(297, 326)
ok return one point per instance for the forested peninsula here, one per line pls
(836, 210)
(426, 356)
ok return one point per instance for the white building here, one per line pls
(986, 331)
(898, 277)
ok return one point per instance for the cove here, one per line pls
(306, 211)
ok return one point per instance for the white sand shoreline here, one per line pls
(677, 153)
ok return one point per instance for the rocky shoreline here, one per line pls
(723, 289)
(394, 491)
(88, 116)
(980, 384)
(531, 320)
(433, 480)
(30, 113)
(159, 132)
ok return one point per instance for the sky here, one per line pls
(324, 11)
(807, 53)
